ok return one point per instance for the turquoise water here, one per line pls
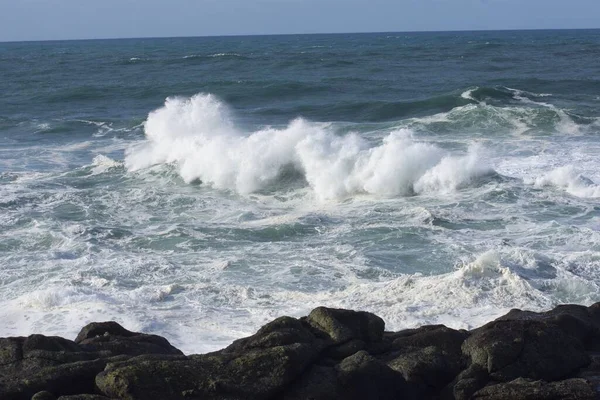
(198, 187)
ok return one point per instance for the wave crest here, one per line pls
(197, 134)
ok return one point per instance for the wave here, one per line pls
(568, 179)
(504, 110)
(199, 136)
(477, 110)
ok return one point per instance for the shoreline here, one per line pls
(329, 354)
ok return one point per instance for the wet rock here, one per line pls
(578, 321)
(344, 350)
(429, 368)
(112, 338)
(448, 340)
(509, 349)
(282, 331)
(591, 373)
(319, 383)
(344, 325)
(467, 383)
(254, 374)
(66, 379)
(331, 354)
(523, 389)
(95, 329)
(362, 376)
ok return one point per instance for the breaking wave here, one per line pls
(198, 135)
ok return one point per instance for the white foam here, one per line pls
(198, 135)
(102, 163)
(567, 178)
(468, 94)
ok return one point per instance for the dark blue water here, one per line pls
(429, 177)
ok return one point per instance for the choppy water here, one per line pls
(430, 178)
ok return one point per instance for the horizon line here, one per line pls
(295, 34)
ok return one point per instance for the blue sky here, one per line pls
(82, 19)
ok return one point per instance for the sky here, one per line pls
(89, 19)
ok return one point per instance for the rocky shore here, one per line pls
(330, 354)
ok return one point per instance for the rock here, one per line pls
(362, 376)
(112, 338)
(254, 374)
(346, 349)
(509, 349)
(591, 373)
(428, 368)
(44, 395)
(447, 340)
(95, 329)
(578, 321)
(280, 332)
(359, 376)
(319, 383)
(523, 389)
(466, 383)
(331, 354)
(66, 379)
(344, 325)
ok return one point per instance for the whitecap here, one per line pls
(199, 136)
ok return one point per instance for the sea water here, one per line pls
(197, 188)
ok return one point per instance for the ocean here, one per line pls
(197, 188)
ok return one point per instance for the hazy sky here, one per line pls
(79, 19)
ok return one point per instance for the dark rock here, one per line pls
(66, 379)
(255, 374)
(362, 376)
(319, 383)
(344, 350)
(591, 373)
(95, 329)
(344, 325)
(577, 321)
(446, 339)
(509, 349)
(49, 343)
(466, 383)
(523, 389)
(428, 368)
(112, 338)
(280, 332)
(11, 353)
(44, 395)
(22, 356)
(331, 354)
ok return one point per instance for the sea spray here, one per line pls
(198, 135)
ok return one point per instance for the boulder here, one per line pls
(341, 326)
(112, 338)
(578, 321)
(66, 379)
(254, 374)
(509, 349)
(467, 383)
(361, 376)
(280, 332)
(428, 368)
